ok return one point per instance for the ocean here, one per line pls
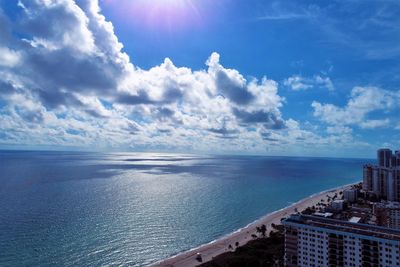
(133, 209)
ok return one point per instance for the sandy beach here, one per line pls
(210, 250)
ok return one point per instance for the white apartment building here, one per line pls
(312, 241)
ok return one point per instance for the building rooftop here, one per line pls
(344, 226)
(355, 219)
(323, 214)
(339, 201)
(388, 204)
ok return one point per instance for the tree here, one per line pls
(263, 229)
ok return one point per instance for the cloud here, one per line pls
(9, 58)
(230, 83)
(224, 132)
(279, 11)
(372, 124)
(269, 119)
(298, 82)
(68, 48)
(71, 84)
(141, 98)
(77, 87)
(339, 129)
(364, 101)
(284, 16)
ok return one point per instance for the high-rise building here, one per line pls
(383, 179)
(396, 158)
(368, 173)
(317, 241)
(350, 195)
(385, 157)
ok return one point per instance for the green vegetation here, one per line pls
(260, 252)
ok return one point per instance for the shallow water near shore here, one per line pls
(73, 208)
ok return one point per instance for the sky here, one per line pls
(296, 78)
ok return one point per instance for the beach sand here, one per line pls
(213, 249)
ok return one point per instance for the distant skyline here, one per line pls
(312, 78)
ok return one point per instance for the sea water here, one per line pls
(75, 208)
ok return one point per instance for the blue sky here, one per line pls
(316, 78)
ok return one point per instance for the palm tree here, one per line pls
(262, 229)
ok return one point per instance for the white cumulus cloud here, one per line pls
(363, 102)
(298, 82)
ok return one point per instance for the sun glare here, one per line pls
(172, 15)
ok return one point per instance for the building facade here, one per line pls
(383, 180)
(350, 195)
(385, 157)
(316, 241)
(387, 214)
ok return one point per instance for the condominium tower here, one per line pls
(383, 180)
(313, 241)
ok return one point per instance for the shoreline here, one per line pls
(243, 235)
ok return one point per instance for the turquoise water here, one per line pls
(69, 208)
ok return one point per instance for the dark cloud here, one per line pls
(269, 119)
(62, 69)
(172, 91)
(131, 127)
(46, 21)
(164, 113)
(233, 90)
(170, 95)
(6, 88)
(141, 98)
(55, 98)
(164, 130)
(275, 124)
(224, 133)
(32, 116)
(95, 113)
(267, 137)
